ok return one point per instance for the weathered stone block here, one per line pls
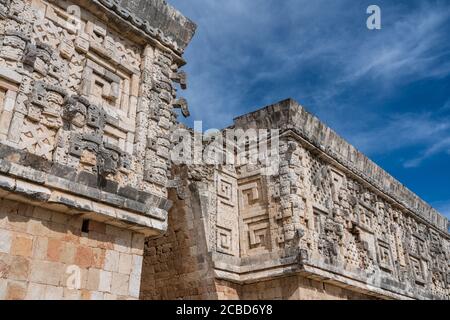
(105, 281)
(93, 280)
(112, 261)
(22, 245)
(16, 290)
(53, 293)
(39, 272)
(5, 241)
(35, 291)
(84, 257)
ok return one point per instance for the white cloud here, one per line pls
(242, 46)
(435, 148)
(403, 130)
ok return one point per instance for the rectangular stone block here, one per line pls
(5, 241)
(42, 214)
(35, 291)
(93, 279)
(53, 293)
(84, 257)
(40, 247)
(68, 253)
(137, 244)
(19, 269)
(10, 74)
(112, 261)
(105, 281)
(16, 290)
(99, 257)
(22, 245)
(37, 228)
(109, 296)
(95, 295)
(122, 242)
(40, 272)
(70, 294)
(120, 284)
(3, 287)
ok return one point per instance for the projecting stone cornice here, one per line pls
(288, 115)
(155, 20)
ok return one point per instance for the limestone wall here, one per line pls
(175, 265)
(83, 94)
(87, 97)
(49, 255)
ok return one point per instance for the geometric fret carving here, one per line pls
(254, 216)
(385, 256)
(417, 269)
(224, 240)
(227, 225)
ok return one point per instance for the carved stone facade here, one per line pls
(91, 207)
(328, 224)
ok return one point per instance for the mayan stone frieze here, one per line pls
(88, 92)
(78, 92)
(328, 224)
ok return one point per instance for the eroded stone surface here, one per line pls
(88, 92)
(330, 220)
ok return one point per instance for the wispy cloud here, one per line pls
(247, 54)
(412, 48)
(404, 130)
(435, 148)
(445, 107)
(364, 84)
(443, 207)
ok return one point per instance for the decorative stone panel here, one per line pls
(77, 92)
(328, 214)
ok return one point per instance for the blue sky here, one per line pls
(386, 91)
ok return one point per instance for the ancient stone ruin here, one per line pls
(93, 207)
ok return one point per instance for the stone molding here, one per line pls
(167, 28)
(32, 179)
